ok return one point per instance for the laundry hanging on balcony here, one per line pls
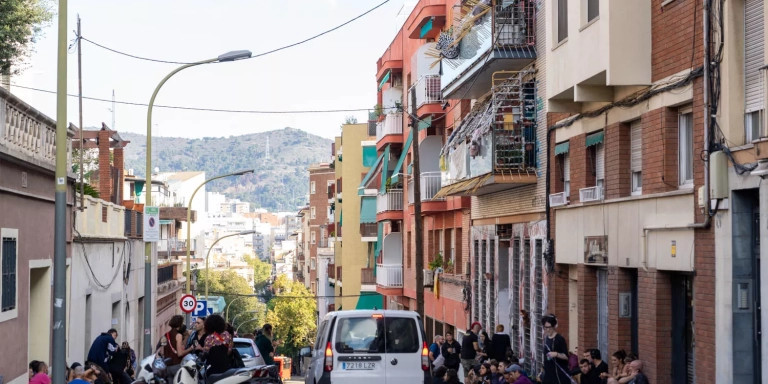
(478, 122)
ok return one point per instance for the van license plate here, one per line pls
(352, 366)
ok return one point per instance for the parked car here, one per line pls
(248, 351)
(371, 347)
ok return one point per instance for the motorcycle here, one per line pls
(266, 374)
(152, 370)
(193, 372)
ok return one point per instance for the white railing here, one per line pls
(390, 201)
(427, 90)
(591, 194)
(391, 125)
(389, 275)
(430, 185)
(557, 199)
(28, 131)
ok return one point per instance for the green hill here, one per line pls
(278, 183)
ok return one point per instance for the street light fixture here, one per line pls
(241, 313)
(229, 56)
(207, 280)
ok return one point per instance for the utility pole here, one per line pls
(80, 113)
(59, 302)
(418, 227)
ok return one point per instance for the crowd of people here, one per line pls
(490, 360)
(211, 338)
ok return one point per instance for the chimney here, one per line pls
(105, 169)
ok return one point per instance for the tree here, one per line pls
(350, 119)
(20, 24)
(235, 289)
(292, 313)
(262, 271)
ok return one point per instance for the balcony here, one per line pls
(389, 275)
(367, 280)
(389, 206)
(503, 38)
(368, 232)
(427, 21)
(426, 96)
(164, 274)
(176, 213)
(495, 146)
(389, 130)
(172, 247)
(430, 185)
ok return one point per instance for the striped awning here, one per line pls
(367, 209)
(384, 80)
(398, 167)
(562, 148)
(369, 176)
(594, 139)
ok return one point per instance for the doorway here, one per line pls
(39, 324)
(682, 329)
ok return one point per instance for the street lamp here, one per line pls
(226, 310)
(244, 323)
(241, 313)
(229, 56)
(207, 281)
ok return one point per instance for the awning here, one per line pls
(384, 171)
(138, 187)
(398, 167)
(426, 28)
(369, 175)
(594, 139)
(384, 79)
(463, 187)
(562, 148)
(367, 209)
(370, 300)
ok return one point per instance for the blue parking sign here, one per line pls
(201, 309)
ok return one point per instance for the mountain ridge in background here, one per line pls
(279, 182)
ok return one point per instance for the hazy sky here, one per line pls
(335, 71)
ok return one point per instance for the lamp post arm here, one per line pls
(244, 323)
(207, 281)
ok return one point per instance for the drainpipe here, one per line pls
(550, 252)
(707, 117)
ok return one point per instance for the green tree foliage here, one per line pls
(262, 271)
(293, 318)
(232, 287)
(20, 24)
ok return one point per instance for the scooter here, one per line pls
(193, 372)
(152, 370)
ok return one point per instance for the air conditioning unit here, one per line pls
(429, 278)
(591, 194)
(558, 199)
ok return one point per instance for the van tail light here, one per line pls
(424, 357)
(328, 366)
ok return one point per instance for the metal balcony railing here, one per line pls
(390, 201)
(389, 275)
(368, 230)
(164, 274)
(391, 125)
(515, 25)
(426, 90)
(367, 277)
(430, 185)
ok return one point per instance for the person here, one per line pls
(588, 373)
(469, 348)
(501, 345)
(451, 377)
(102, 349)
(131, 364)
(265, 345)
(197, 337)
(439, 376)
(484, 344)
(172, 344)
(555, 353)
(516, 375)
(39, 373)
(598, 364)
(118, 363)
(32, 365)
(218, 345)
(451, 350)
(637, 372)
(434, 349)
(617, 367)
(82, 376)
(484, 373)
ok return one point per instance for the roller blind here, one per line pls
(636, 144)
(600, 162)
(754, 45)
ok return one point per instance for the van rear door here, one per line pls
(403, 350)
(358, 346)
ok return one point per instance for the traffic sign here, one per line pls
(188, 303)
(151, 233)
(201, 309)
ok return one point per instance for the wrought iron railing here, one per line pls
(164, 274)
(389, 275)
(426, 90)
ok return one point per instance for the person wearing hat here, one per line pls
(515, 375)
(470, 347)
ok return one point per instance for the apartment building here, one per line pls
(634, 261)
(743, 193)
(320, 231)
(354, 154)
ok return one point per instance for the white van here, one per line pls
(370, 347)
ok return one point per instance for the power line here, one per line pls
(252, 57)
(283, 296)
(250, 111)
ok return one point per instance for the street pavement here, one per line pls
(295, 380)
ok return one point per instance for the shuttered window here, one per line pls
(567, 175)
(9, 268)
(562, 20)
(754, 46)
(685, 148)
(636, 160)
(599, 165)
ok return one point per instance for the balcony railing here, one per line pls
(171, 245)
(430, 185)
(426, 90)
(390, 201)
(389, 275)
(164, 274)
(368, 230)
(367, 277)
(391, 125)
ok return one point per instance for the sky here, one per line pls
(334, 71)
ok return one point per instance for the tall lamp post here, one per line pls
(229, 56)
(242, 313)
(207, 280)
(226, 309)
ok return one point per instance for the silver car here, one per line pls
(248, 351)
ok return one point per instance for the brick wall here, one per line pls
(660, 150)
(676, 29)
(587, 307)
(654, 330)
(105, 167)
(619, 329)
(617, 161)
(579, 175)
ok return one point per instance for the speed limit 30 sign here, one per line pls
(188, 303)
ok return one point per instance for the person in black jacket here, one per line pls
(451, 351)
(102, 349)
(501, 345)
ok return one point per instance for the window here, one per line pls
(754, 86)
(312, 187)
(9, 281)
(593, 9)
(685, 148)
(636, 158)
(562, 20)
(313, 237)
(312, 263)
(599, 165)
(312, 212)
(382, 335)
(567, 175)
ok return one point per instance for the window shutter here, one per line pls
(600, 162)
(566, 168)
(636, 143)
(754, 43)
